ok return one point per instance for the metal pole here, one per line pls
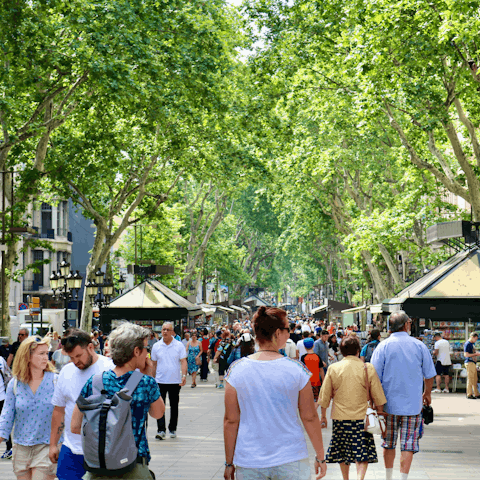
(3, 253)
(136, 263)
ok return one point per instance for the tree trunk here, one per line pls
(380, 285)
(397, 280)
(93, 265)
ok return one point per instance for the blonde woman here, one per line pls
(29, 405)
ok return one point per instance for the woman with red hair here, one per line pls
(262, 395)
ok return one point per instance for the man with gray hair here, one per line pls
(403, 364)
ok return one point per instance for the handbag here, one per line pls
(198, 361)
(427, 414)
(373, 423)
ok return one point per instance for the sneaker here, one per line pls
(173, 434)
(221, 386)
(437, 391)
(160, 435)
(445, 390)
(471, 397)
(7, 454)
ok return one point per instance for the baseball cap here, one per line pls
(308, 343)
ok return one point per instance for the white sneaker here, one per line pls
(445, 390)
(160, 435)
(173, 434)
(437, 391)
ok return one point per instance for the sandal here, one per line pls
(193, 385)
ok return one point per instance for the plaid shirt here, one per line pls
(146, 393)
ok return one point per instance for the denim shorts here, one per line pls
(299, 470)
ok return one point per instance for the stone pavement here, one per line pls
(449, 449)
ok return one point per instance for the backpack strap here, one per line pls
(133, 381)
(97, 384)
(15, 384)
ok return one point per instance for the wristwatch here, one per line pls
(184, 376)
(320, 461)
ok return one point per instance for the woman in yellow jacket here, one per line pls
(346, 383)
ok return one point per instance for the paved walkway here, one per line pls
(449, 449)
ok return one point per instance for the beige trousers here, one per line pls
(472, 379)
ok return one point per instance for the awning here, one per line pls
(377, 308)
(240, 309)
(319, 309)
(225, 309)
(451, 290)
(355, 309)
(249, 309)
(208, 310)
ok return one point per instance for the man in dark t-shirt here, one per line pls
(5, 349)
(294, 336)
(22, 335)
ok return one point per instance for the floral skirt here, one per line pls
(350, 443)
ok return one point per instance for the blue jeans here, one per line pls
(70, 466)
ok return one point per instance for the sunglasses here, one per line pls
(72, 340)
(23, 334)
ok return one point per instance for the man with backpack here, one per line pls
(369, 348)
(78, 345)
(115, 444)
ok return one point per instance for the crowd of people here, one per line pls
(271, 367)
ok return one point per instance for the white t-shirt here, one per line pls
(291, 348)
(306, 328)
(69, 385)
(3, 365)
(269, 433)
(301, 349)
(168, 361)
(443, 347)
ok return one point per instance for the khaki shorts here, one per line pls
(35, 458)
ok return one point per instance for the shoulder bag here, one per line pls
(373, 423)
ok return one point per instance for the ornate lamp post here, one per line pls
(100, 291)
(65, 285)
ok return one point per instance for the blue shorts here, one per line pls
(70, 466)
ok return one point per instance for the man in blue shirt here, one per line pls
(402, 364)
(471, 366)
(321, 348)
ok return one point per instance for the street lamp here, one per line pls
(100, 291)
(121, 283)
(65, 286)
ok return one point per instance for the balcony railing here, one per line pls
(50, 233)
(31, 286)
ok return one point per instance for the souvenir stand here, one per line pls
(447, 299)
(150, 304)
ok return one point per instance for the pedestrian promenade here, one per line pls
(449, 449)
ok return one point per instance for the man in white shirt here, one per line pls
(442, 367)
(301, 347)
(170, 356)
(291, 349)
(73, 376)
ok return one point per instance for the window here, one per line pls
(46, 218)
(38, 277)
